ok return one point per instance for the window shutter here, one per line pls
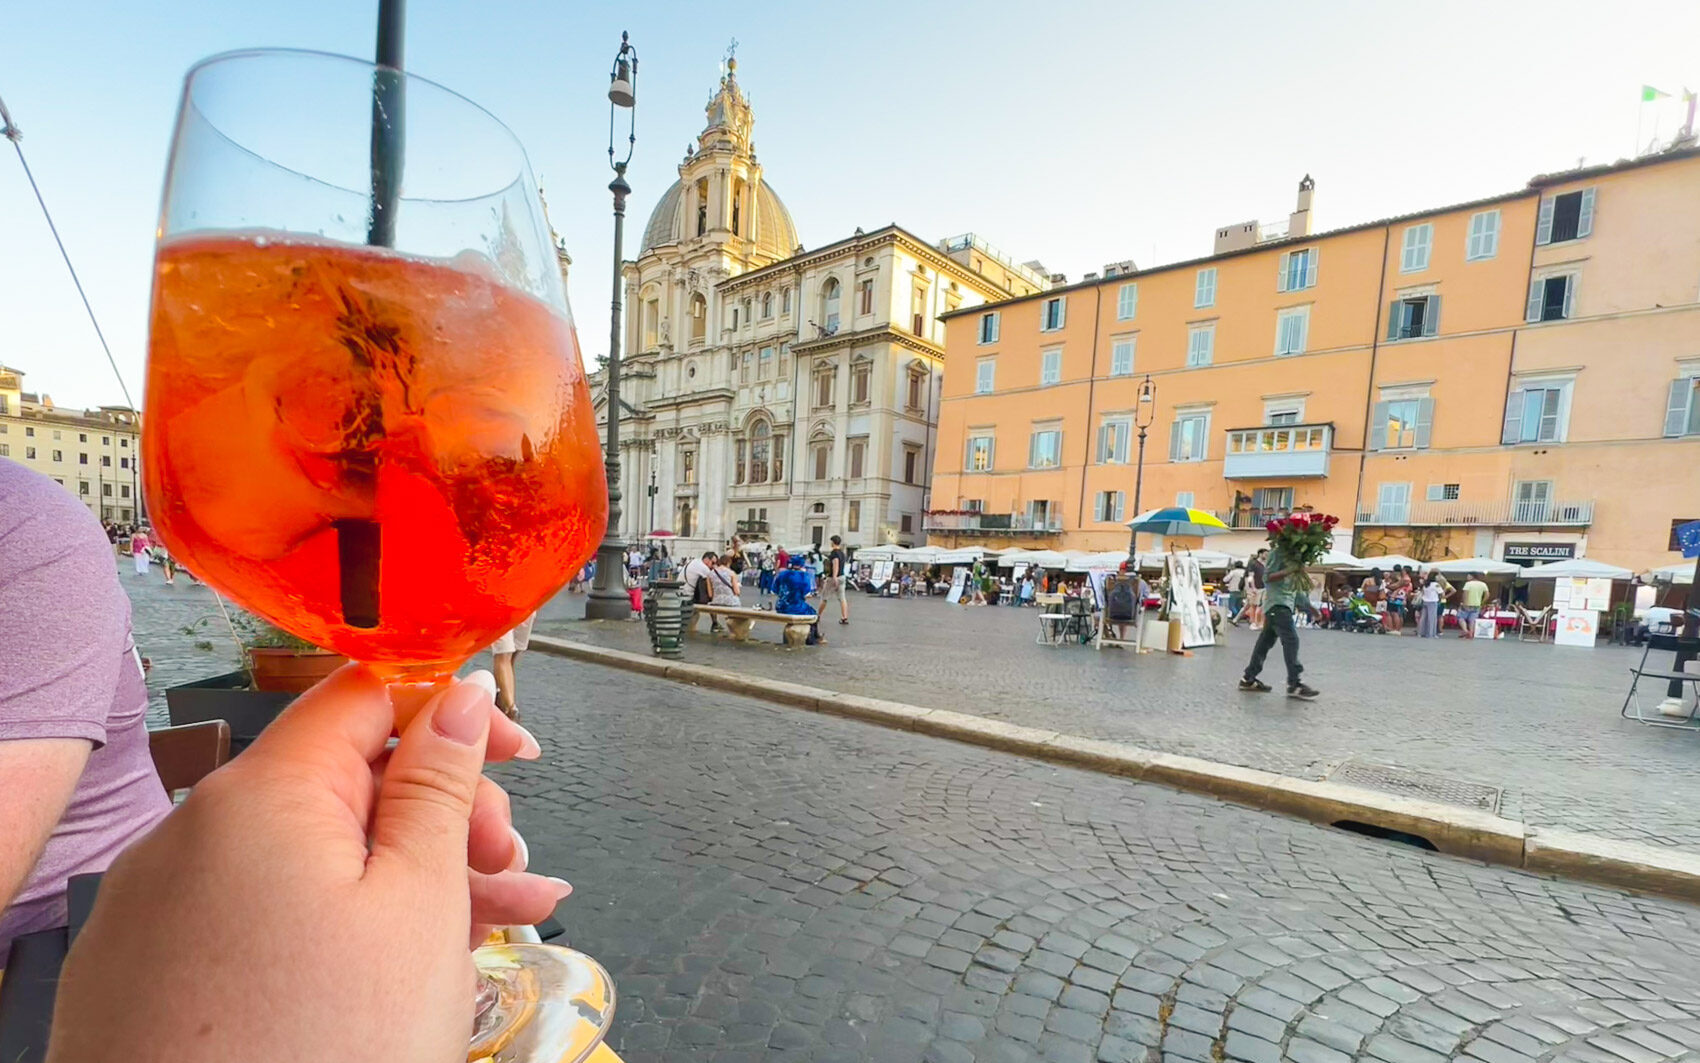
(1676, 407)
(1425, 422)
(1513, 417)
(1033, 450)
(1543, 227)
(1570, 294)
(1393, 320)
(1103, 443)
(1175, 441)
(1378, 427)
(1536, 287)
(1549, 416)
(1121, 497)
(1281, 272)
(1312, 258)
(1431, 316)
(1585, 217)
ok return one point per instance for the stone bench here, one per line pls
(739, 621)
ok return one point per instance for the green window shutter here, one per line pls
(1585, 217)
(1543, 227)
(1378, 427)
(1393, 316)
(1431, 316)
(1513, 418)
(1425, 422)
(1536, 289)
(1676, 407)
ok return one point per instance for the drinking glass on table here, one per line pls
(366, 414)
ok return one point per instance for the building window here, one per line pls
(785, 301)
(1283, 411)
(823, 387)
(761, 451)
(106, 460)
(123, 442)
(818, 454)
(766, 305)
(829, 305)
(858, 456)
(985, 376)
(1413, 317)
(917, 390)
(1127, 302)
(1114, 436)
(29, 452)
(58, 455)
(1108, 506)
(1204, 288)
(82, 487)
(1418, 241)
(1401, 424)
(687, 467)
(853, 516)
(865, 296)
(1393, 503)
(989, 328)
(699, 318)
(29, 431)
(979, 457)
(1551, 298)
(82, 437)
(1483, 241)
(1297, 270)
(651, 324)
(1044, 450)
(685, 519)
(906, 523)
(1189, 437)
(746, 366)
(1041, 515)
(4, 405)
(58, 434)
(1268, 503)
(734, 319)
(5, 450)
(82, 459)
(1536, 413)
(765, 364)
(1200, 345)
(1443, 492)
(1184, 499)
(1052, 314)
(911, 464)
(861, 382)
(1569, 216)
(918, 308)
(106, 441)
(1050, 367)
(1682, 409)
(1121, 356)
(1292, 327)
(1531, 501)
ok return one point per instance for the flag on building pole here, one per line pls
(1649, 94)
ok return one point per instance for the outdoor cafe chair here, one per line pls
(1669, 642)
(1528, 620)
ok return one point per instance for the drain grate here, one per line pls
(1407, 782)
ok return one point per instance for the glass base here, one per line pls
(539, 1004)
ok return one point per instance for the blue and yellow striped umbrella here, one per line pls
(1178, 520)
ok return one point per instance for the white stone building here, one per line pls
(782, 394)
(94, 454)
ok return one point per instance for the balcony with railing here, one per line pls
(1284, 451)
(1489, 514)
(956, 520)
(752, 527)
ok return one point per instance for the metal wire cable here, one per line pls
(11, 132)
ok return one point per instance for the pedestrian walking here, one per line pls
(503, 655)
(139, 550)
(1234, 584)
(832, 583)
(1256, 575)
(1283, 588)
(167, 564)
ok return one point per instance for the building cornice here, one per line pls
(890, 235)
(881, 333)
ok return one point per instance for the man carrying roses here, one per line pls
(1294, 542)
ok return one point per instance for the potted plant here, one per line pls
(276, 666)
(279, 661)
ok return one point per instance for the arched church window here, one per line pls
(761, 451)
(766, 305)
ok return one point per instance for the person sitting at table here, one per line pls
(79, 782)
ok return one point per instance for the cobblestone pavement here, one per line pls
(1537, 721)
(767, 884)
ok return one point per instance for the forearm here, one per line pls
(41, 775)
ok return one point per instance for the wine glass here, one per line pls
(366, 414)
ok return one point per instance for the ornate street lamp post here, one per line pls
(1144, 416)
(608, 599)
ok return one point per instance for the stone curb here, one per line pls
(1455, 831)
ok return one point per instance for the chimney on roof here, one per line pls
(1299, 221)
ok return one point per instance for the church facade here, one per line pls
(772, 392)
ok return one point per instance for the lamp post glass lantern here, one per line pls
(608, 599)
(1144, 417)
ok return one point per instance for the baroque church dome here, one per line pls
(726, 135)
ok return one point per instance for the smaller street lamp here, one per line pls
(1143, 418)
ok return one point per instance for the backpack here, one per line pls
(1118, 604)
(703, 594)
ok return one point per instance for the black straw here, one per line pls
(359, 541)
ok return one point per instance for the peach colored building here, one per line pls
(1515, 377)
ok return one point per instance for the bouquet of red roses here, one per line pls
(1302, 539)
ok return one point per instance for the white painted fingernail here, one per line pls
(562, 887)
(522, 852)
(483, 679)
(528, 747)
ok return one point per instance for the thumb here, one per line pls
(425, 799)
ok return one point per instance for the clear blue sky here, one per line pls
(1075, 132)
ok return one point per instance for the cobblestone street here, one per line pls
(1536, 721)
(767, 884)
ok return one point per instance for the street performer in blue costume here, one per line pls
(793, 587)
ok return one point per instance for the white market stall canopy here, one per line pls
(1487, 566)
(1338, 559)
(1577, 568)
(1110, 559)
(1036, 558)
(967, 555)
(918, 555)
(877, 553)
(1682, 572)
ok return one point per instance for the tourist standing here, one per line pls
(1256, 575)
(503, 655)
(833, 583)
(1281, 593)
(1472, 597)
(1435, 588)
(1234, 584)
(139, 550)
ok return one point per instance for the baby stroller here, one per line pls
(1358, 615)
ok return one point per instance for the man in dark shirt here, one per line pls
(832, 580)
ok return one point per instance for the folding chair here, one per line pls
(1682, 647)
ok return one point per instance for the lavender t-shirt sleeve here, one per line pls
(64, 621)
